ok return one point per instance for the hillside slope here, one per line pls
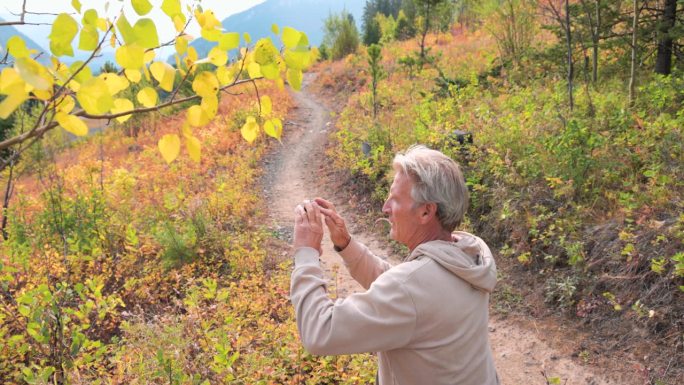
(583, 207)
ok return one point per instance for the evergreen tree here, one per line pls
(341, 34)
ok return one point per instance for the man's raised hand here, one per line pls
(308, 228)
(338, 230)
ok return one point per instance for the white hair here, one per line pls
(437, 179)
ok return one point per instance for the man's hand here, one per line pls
(338, 230)
(308, 228)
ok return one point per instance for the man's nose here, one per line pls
(385, 208)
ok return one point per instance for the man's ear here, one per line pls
(428, 212)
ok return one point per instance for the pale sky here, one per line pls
(165, 29)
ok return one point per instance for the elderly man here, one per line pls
(426, 317)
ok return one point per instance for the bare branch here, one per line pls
(22, 17)
(6, 23)
(172, 41)
(256, 89)
(187, 73)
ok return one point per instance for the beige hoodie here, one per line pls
(427, 317)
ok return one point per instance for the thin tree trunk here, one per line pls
(594, 21)
(663, 64)
(568, 37)
(5, 203)
(632, 72)
(425, 31)
(596, 36)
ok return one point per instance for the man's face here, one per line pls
(400, 210)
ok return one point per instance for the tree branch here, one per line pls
(40, 130)
(22, 17)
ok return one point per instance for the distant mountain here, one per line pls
(304, 15)
(8, 31)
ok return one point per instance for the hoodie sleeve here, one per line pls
(383, 318)
(363, 265)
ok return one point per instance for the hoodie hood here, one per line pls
(468, 257)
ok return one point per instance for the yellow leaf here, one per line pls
(254, 70)
(280, 83)
(122, 105)
(146, 72)
(274, 128)
(171, 7)
(149, 56)
(270, 71)
(225, 75)
(186, 129)
(147, 97)
(43, 94)
(169, 146)
(77, 5)
(9, 78)
(115, 83)
(297, 59)
(89, 38)
(94, 96)
(194, 147)
(72, 124)
(205, 84)
(34, 73)
(294, 77)
(207, 19)
(59, 70)
(17, 47)
(164, 74)
(64, 29)
(16, 96)
(66, 104)
(89, 18)
(197, 116)
(266, 105)
(130, 57)
(217, 56)
(179, 22)
(210, 105)
(303, 40)
(83, 73)
(290, 37)
(192, 55)
(133, 75)
(181, 45)
(275, 29)
(250, 130)
(211, 34)
(125, 30)
(265, 52)
(142, 7)
(229, 40)
(145, 32)
(101, 24)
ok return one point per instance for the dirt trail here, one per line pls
(521, 347)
